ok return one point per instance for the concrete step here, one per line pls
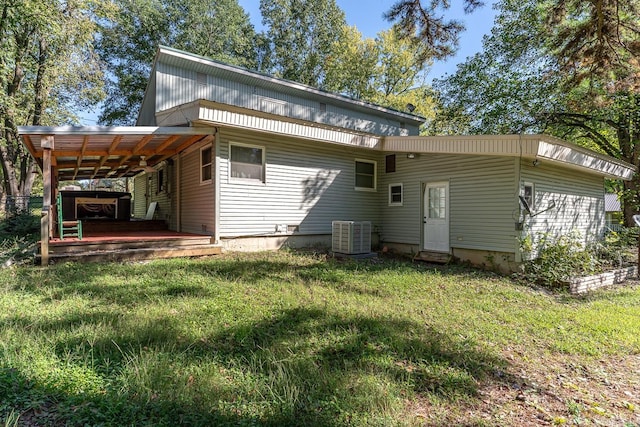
(434, 257)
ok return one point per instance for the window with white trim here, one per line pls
(395, 194)
(206, 164)
(365, 175)
(246, 162)
(529, 195)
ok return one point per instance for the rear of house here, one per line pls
(286, 160)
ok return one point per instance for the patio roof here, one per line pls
(94, 152)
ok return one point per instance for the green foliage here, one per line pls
(426, 25)
(302, 34)
(130, 35)
(618, 249)
(18, 234)
(281, 339)
(48, 69)
(558, 260)
(387, 71)
(565, 68)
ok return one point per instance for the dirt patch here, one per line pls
(547, 390)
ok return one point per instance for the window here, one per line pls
(365, 175)
(528, 193)
(206, 165)
(395, 194)
(160, 175)
(247, 162)
(437, 202)
(390, 163)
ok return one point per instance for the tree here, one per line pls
(422, 25)
(302, 34)
(47, 68)
(545, 69)
(387, 70)
(219, 29)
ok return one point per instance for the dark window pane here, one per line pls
(390, 165)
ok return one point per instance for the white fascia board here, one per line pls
(215, 116)
(572, 157)
(113, 130)
(525, 146)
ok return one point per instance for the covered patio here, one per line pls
(71, 153)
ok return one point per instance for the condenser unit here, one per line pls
(351, 237)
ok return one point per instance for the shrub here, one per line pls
(618, 247)
(558, 260)
(17, 234)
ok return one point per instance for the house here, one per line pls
(271, 163)
(613, 212)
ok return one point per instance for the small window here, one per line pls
(247, 162)
(206, 165)
(395, 195)
(160, 188)
(365, 175)
(390, 163)
(528, 193)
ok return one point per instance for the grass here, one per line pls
(299, 339)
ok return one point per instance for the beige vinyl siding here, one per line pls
(482, 200)
(139, 196)
(163, 198)
(176, 86)
(578, 198)
(307, 184)
(198, 203)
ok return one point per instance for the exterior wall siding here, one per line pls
(306, 186)
(139, 196)
(197, 214)
(146, 191)
(176, 86)
(578, 200)
(482, 200)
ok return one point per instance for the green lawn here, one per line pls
(299, 339)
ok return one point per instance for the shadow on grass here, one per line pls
(297, 366)
(302, 367)
(135, 283)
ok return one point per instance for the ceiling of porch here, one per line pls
(98, 152)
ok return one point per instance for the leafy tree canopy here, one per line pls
(302, 34)
(127, 42)
(565, 68)
(48, 68)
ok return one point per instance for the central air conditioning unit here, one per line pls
(351, 237)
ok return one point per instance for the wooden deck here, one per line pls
(128, 245)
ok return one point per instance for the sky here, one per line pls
(366, 15)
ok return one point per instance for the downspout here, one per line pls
(519, 228)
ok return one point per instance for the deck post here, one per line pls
(46, 142)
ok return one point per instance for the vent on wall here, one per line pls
(351, 237)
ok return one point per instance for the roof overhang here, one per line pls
(94, 152)
(535, 147)
(209, 113)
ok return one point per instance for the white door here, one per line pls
(436, 217)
